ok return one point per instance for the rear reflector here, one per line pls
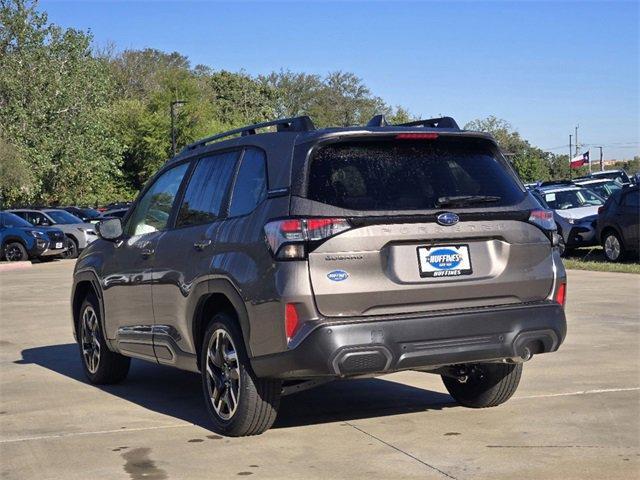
(561, 294)
(417, 136)
(290, 320)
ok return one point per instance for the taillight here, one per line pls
(543, 219)
(417, 136)
(291, 320)
(561, 294)
(289, 238)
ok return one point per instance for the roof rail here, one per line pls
(556, 182)
(443, 122)
(294, 124)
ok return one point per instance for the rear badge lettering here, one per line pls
(337, 275)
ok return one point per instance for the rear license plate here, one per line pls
(59, 245)
(444, 261)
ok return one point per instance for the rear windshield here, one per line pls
(409, 175)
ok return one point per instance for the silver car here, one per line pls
(79, 234)
(575, 212)
(273, 262)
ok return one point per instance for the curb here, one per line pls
(9, 266)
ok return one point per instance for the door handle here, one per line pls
(202, 244)
(147, 252)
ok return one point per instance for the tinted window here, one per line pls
(207, 189)
(566, 199)
(632, 199)
(11, 220)
(251, 183)
(153, 210)
(36, 218)
(408, 175)
(63, 217)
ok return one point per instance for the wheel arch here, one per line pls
(84, 283)
(221, 296)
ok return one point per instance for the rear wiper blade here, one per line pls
(466, 200)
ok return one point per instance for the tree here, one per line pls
(531, 163)
(53, 109)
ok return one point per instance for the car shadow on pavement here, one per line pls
(178, 393)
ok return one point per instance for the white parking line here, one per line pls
(581, 392)
(97, 432)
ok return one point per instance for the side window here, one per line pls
(251, 183)
(207, 189)
(631, 199)
(153, 210)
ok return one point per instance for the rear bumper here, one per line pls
(357, 347)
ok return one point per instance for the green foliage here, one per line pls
(54, 99)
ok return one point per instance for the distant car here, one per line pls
(19, 240)
(619, 224)
(575, 213)
(117, 212)
(619, 175)
(604, 187)
(88, 215)
(114, 206)
(79, 234)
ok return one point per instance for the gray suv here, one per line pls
(273, 262)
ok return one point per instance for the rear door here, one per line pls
(186, 254)
(398, 258)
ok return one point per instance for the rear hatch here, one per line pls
(402, 255)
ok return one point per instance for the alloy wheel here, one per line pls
(71, 251)
(612, 247)
(13, 253)
(223, 374)
(90, 340)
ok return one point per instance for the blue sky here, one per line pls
(543, 66)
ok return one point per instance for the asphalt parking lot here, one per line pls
(576, 414)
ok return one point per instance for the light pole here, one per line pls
(173, 124)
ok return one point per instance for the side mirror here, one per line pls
(109, 229)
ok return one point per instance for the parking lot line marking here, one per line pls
(436, 469)
(580, 392)
(97, 432)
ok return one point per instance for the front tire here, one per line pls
(101, 365)
(239, 403)
(485, 385)
(15, 252)
(72, 249)
(613, 247)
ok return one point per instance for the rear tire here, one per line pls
(487, 385)
(239, 403)
(613, 247)
(101, 365)
(15, 252)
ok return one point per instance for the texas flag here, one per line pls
(580, 160)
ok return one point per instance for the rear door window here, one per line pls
(251, 183)
(207, 189)
(409, 175)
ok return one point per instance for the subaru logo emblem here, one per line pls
(447, 219)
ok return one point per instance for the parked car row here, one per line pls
(21, 240)
(594, 211)
(74, 234)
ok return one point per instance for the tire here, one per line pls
(15, 252)
(487, 385)
(72, 249)
(613, 247)
(101, 365)
(239, 403)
